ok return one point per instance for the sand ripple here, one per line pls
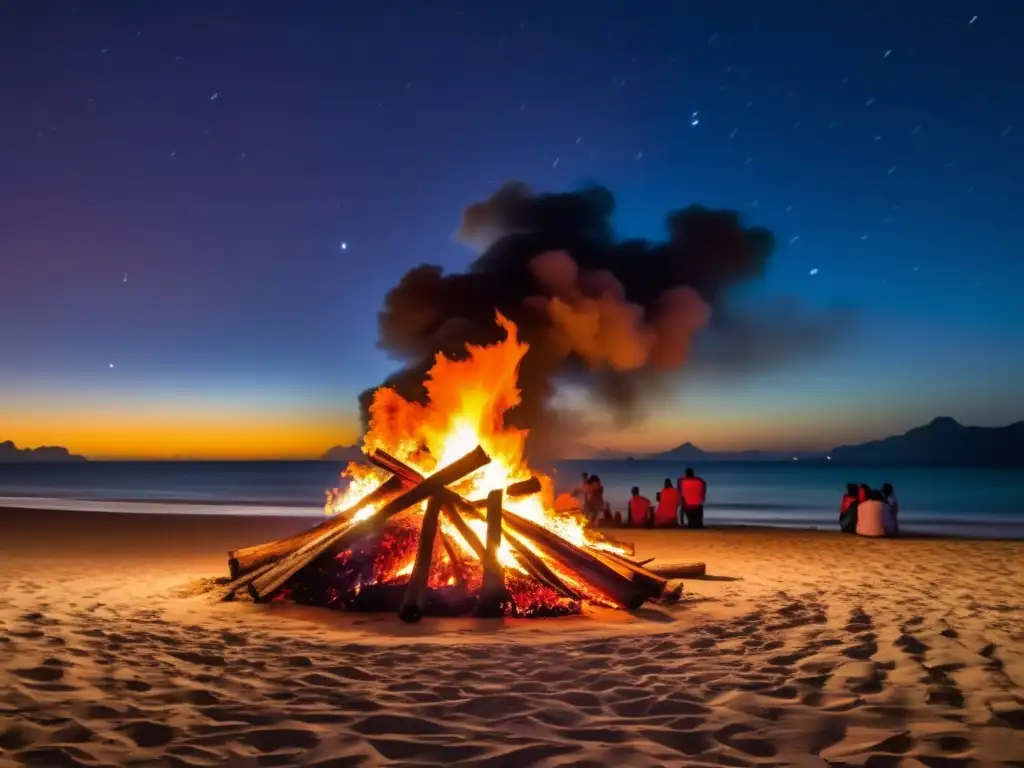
(807, 656)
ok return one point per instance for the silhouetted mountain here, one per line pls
(343, 453)
(10, 453)
(688, 452)
(942, 442)
(609, 455)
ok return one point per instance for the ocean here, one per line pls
(968, 501)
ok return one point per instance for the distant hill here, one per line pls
(690, 452)
(343, 453)
(10, 453)
(944, 441)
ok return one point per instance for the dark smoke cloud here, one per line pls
(755, 340)
(615, 316)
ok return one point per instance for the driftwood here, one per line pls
(284, 569)
(609, 582)
(530, 561)
(679, 570)
(493, 591)
(247, 559)
(416, 591)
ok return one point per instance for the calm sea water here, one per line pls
(965, 501)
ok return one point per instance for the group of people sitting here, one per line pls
(677, 504)
(869, 512)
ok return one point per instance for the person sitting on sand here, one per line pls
(894, 505)
(863, 491)
(666, 515)
(874, 518)
(848, 509)
(639, 509)
(694, 491)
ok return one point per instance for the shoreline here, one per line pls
(295, 520)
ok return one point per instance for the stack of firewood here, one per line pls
(264, 570)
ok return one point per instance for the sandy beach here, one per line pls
(801, 648)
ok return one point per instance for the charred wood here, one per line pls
(416, 590)
(533, 564)
(287, 567)
(247, 559)
(492, 594)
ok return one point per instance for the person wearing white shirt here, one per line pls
(874, 517)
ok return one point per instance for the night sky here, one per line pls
(202, 204)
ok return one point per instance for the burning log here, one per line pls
(416, 591)
(526, 487)
(616, 587)
(613, 585)
(534, 565)
(453, 556)
(467, 533)
(654, 582)
(247, 559)
(517, 490)
(492, 594)
(288, 566)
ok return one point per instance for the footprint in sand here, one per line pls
(44, 673)
(148, 733)
(274, 739)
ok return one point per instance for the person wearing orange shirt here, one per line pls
(693, 491)
(666, 515)
(639, 509)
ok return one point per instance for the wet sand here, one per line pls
(800, 648)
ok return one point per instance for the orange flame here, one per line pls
(467, 402)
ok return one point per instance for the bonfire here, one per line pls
(447, 517)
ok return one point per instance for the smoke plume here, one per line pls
(614, 316)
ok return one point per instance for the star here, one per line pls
(813, 272)
(344, 245)
(111, 365)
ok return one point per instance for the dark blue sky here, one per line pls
(219, 154)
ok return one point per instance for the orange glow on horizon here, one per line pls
(110, 433)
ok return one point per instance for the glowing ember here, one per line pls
(467, 401)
